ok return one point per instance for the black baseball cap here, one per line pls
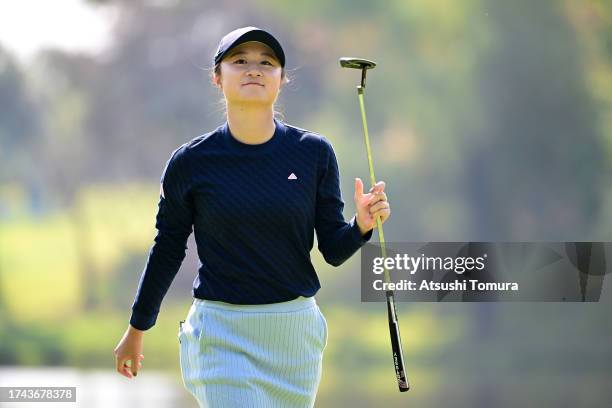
(244, 34)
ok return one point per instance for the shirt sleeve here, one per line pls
(174, 223)
(337, 239)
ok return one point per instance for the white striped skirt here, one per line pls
(243, 356)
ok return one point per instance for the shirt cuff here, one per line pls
(142, 321)
(362, 239)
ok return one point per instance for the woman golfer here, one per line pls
(254, 190)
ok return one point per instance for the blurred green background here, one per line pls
(489, 120)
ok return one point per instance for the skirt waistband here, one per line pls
(298, 303)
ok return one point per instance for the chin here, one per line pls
(253, 102)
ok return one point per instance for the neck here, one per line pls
(251, 125)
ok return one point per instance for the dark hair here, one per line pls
(216, 70)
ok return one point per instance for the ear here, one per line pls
(216, 80)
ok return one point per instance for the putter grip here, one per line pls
(396, 346)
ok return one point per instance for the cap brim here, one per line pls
(262, 37)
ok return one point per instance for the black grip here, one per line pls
(396, 345)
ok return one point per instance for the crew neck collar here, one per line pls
(234, 143)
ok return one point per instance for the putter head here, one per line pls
(358, 63)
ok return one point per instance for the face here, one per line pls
(250, 75)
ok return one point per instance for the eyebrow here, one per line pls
(232, 54)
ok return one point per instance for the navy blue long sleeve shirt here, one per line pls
(253, 210)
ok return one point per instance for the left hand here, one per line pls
(370, 205)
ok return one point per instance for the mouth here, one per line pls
(252, 83)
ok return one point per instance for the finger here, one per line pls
(386, 215)
(383, 214)
(358, 187)
(379, 187)
(378, 206)
(119, 363)
(377, 197)
(135, 366)
(127, 371)
(123, 368)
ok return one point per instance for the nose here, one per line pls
(253, 70)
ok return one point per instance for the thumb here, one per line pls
(358, 187)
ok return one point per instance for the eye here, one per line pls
(242, 60)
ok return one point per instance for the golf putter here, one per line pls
(396, 341)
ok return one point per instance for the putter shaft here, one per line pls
(381, 235)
